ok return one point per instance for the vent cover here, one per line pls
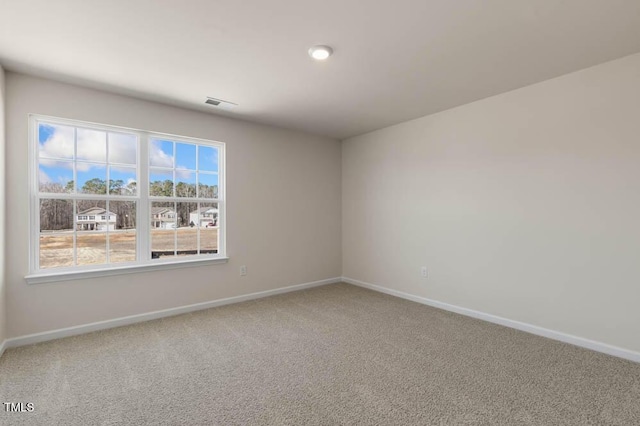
(219, 103)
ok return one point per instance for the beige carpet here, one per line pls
(336, 354)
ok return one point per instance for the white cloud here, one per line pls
(43, 177)
(123, 169)
(84, 167)
(91, 146)
(59, 144)
(185, 175)
(55, 163)
(158, 157)
(122, 148)
(81, 167)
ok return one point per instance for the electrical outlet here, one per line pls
(243, 270)
(423, 272)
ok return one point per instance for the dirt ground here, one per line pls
(57, 250)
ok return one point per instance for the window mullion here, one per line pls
(34, 199)
(75, 233)
(143, 210)
(222, 195)
(222, 225)
(106, 203)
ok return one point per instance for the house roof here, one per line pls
(205, 210)
(161, 210)
(94, 211)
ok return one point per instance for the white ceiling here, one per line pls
(394, 60)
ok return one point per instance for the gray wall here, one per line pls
(3, 292)
(524, 205)
(283, 211)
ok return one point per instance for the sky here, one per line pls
(56, 157)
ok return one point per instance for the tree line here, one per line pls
(165, 189)
(57, 214)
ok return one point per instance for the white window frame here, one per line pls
(144, 261)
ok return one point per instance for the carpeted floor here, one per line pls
(336, 354)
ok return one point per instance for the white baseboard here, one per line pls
(529, 328)
(118, 322)
(3, 346)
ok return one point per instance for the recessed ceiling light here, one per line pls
(320, 53)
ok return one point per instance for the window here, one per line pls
(105, 198)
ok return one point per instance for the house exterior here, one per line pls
(96, 219)
(204, 216)
(163, 218)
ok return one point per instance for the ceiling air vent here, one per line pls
(220, 103)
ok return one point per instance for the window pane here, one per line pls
(56, 215)
(55, 141)
(56, 233)
(123, 148)
(209, 220)
(187, 235)
(163, 224)
(185, 156)
(55, 176)
(56, 250)
(92, 145)
(185, 184)
(161, 183)
(122, 241)
(122, 246)
(207, 185)
(207, 158)
(92, 222)
(161, 153)
(91, 247)
(91, 215)
(183, 212)
(92, 178)
(122, 181)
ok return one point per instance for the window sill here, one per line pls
(49, 277)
